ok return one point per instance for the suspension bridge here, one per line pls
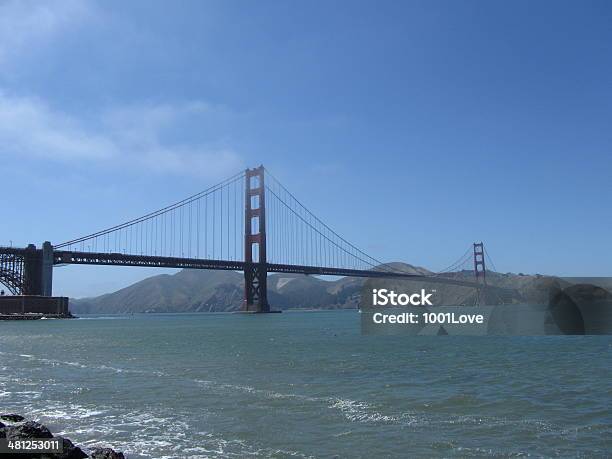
(249, 222)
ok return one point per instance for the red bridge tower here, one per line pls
(479, 262)
(255, 269)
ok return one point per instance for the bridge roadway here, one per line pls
(61, 257)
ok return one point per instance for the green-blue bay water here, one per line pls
(305, 384)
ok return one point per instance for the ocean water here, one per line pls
(305, 384)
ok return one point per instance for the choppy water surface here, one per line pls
(305, 385)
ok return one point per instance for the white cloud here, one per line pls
(149, 137)
(217, 163)
(26, 23)
(129, 137)
(28, 127)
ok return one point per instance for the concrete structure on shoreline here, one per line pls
(33, 306)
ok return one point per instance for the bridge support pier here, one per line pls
(255, 270)
(32, 271)
(38, 270)
(47, 269)
(256, 288)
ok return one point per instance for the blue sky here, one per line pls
(412, 128)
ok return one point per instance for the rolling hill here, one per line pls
(217, 291)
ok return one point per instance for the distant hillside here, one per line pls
(216, 291)
(185, 291)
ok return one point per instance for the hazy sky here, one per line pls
(412, 128)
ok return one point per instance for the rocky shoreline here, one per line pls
(16, 427)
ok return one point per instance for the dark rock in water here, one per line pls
(105, 453)
(595, 305)
(11, 417)
(27, 430)
(566, 313)
(70, 451)
(30, 429)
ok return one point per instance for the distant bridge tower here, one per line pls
(480, 271)
(255, 269)
(479, 262)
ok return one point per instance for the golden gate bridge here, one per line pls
(249, 222)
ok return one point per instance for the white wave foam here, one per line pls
(356, 411)
(353, 410)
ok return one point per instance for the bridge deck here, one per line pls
(120, 259)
